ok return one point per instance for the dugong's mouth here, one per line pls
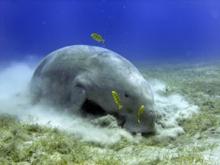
(92, 108)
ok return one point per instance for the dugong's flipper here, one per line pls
(77, 98)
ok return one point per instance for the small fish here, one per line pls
(117, 100)
(140, 113)
(97, 37)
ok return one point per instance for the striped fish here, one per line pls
(117, 100)
(140, 113)
(97, 37)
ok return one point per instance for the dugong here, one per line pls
(82, 76)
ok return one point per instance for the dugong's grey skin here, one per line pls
(73, 74)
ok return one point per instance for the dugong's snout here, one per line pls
(142, 117)
(145, 126)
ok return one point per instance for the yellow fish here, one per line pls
(97, 37)
(117, 100)
(140, 113)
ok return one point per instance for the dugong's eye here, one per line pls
(126, 95)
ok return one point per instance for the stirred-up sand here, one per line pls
(186, 103)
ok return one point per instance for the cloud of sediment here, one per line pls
(15, 100)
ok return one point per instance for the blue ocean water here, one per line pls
(144, 30)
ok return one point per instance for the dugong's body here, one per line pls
(73, 75)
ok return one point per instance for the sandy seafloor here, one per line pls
(187, 98)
